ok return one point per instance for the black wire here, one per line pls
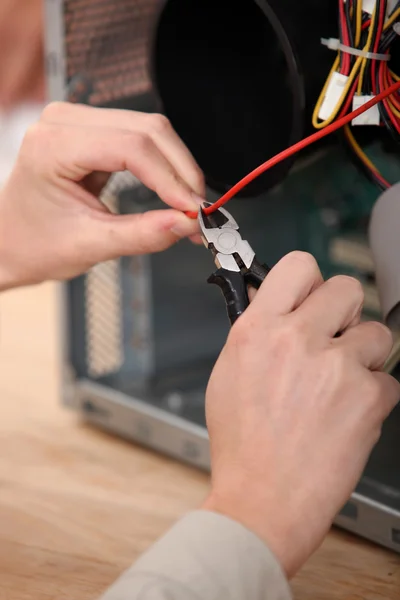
(350, 25)
(396, 6)
(353, 15)
(384, 114)
(367, 87)
(341, 41)
(387, 39)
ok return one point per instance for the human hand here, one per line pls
(21, 52)
(293, 412)
(52, 225)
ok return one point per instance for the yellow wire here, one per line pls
(315, 119)
(367, 48)
(358, 150)
(394, 109)
(352, 76)
(391, 19)
(358, 22)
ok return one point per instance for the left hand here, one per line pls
(52, 224)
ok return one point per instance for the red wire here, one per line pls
(349, 99)
(388, 80)
(344, 111)
(385, 102)
(346, 38)
(383, 181)
(376, 45)
(296, 148)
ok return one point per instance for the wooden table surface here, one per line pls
(77, 506)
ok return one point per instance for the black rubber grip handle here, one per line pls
(256, 274)
(234, 289)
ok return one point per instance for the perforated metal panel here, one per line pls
(106, 42)
(103, 301)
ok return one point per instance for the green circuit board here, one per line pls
(330, 201)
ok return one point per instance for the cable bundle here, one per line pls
(359, 79)
(360, 72)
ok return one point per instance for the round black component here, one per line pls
(227, 78)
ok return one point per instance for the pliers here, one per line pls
(237, 264)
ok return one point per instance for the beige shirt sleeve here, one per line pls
(205, 556)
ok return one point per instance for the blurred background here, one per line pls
(21, 74)
(28, 332)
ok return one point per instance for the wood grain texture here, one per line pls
(77, 506)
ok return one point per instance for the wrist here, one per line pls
(8, 276)
(11, 271)
(270, 522)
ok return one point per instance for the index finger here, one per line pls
(288, 284)
(73, 152)
(156, 126)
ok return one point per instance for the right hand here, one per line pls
(293, 412)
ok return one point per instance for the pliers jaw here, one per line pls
(220, 233)
(237, 264)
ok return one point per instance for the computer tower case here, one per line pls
(141, 334)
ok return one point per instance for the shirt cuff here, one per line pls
(205, 556)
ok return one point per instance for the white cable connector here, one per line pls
(370, 116)
(333, 93)
(369, 6)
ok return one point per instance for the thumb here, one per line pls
(113, 236)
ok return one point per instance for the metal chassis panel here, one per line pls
(55, 59)
(135, 420)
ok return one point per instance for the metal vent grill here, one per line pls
(103, 302)
(108, 42)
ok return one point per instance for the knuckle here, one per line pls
(241, 332)
(290, 337)
(33, 138)
(37, 149)
(375, 393)
(159, 123)
(198, 179)
(54, 110)
(33, 132)
(299, 328)
(140, 141)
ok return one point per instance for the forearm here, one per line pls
(205, 556)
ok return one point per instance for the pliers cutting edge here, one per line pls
(237, 264)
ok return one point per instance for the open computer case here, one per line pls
(238, 82)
